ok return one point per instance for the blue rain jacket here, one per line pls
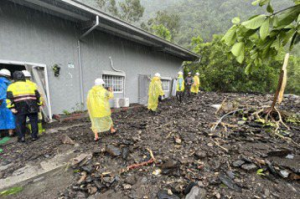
(7, 118)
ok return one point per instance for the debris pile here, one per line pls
(189, 150)
(193, 156)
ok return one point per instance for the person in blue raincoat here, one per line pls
(7, 119)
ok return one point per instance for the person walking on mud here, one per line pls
(180, 87)
(99, 108)
(155, 93)
(196, 84)
(189, 81)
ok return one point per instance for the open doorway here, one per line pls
(12, 68)
(39, 76)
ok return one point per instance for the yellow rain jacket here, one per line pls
(99, 108)
(155, 90)
(196, 85)
(180, 84)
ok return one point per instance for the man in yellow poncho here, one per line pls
(155, 92)
(99, 108)
(180, 87)
(196, 84)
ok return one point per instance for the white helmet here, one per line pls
(99, 82)
(26, 73)
(157, 75)
(5, 72)
(180, 73)
(197, 73)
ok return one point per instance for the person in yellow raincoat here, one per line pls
(99, 108)
(196, 84)
(155, 92)
(180, 87)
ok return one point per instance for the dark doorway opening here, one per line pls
(12, 68)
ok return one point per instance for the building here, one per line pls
(83, 43)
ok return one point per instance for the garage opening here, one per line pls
(39, 76)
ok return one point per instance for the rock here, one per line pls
(126, 186)
(284, 173)
(81, 195)
(249, 167)
(229, 182)
(170, 164)
(230, 174)
(200, 154)
(87, 168)
(125, 153)
(196, 193)
(280, 153)
(164, 195)
(131, 180)
(290, 156)
(189, 187)
(178, 140)
(238, 163)
(65, 139)
(109, 180)
(113, 151)
(91, 189)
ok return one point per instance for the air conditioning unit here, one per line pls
(124, 102)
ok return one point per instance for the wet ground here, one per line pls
(246, 161)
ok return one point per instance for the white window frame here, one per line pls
(166, 79)
(114, 79)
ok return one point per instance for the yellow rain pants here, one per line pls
(155, 90)
(196, 85)
(99, 109)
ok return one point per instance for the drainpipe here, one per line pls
(124, 85)
(80, 58)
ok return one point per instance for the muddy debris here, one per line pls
(244, 157)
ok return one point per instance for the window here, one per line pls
(165, 85)
(115, 82)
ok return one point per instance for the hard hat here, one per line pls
(5, 72)
(18, 75)
(99, 81)
(197, 73)
(157, 75)
(190, 73)
(180, 73)
(26, 73)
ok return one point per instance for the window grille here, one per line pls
(165, 85)
(114, 82)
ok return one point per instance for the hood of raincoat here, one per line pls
(180, 76)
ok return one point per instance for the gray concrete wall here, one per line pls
(31, 36)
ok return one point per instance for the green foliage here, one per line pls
(163, 20)
(264, 36)
(67, 113)
(220, 71)
(161, 31)
(11, 191)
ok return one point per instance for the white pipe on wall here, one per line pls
(121, 71)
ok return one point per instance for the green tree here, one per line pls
(161, 31)
(163, 20)
(129, 10)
